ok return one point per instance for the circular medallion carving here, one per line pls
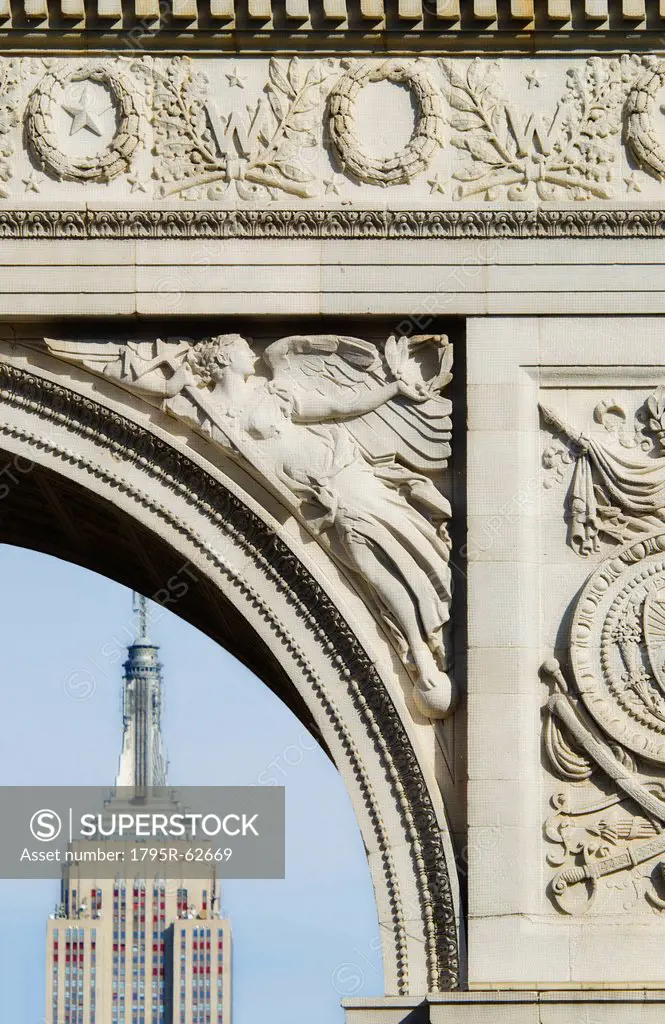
(617, 646)
(83, 123)
(647, 148)
(423, 144)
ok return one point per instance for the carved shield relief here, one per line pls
(617, 647)
(654, 633)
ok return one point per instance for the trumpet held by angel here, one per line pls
(352, 434)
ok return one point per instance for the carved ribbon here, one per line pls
(581, 728)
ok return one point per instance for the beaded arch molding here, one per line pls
(55, 404)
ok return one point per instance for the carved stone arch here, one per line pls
(94, 475)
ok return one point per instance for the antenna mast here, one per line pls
(140, 608)
(142, 760)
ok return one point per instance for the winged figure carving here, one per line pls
(351, 434)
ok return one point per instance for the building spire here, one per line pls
(142, 761)
(140, 608)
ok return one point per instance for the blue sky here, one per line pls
(299, 944)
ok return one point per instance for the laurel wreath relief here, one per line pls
(41, 124)
(427, 137)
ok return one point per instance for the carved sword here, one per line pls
(630, 857)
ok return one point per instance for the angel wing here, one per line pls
(423, 432)
(344, 358)
(142, 366)
(334, 366)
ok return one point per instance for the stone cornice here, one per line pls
(406, 39)
(325, 25)
(540, 223)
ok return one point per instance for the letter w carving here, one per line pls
(534, 131)
(245, 136)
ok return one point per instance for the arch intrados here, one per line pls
(37, 514)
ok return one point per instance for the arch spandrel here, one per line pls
(113, 478)
(350, 437)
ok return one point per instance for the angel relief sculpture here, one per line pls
(350, 435)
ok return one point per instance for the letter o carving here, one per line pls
(647, 148)
(421, 147)
(40, 123)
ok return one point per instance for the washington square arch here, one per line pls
(354, 307)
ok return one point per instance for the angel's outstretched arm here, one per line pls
(152, 380)
(315, 408)
(178, 381)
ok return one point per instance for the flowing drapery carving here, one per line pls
(617, 489)
(350, 437)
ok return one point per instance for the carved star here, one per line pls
(81, 114)
(436, 184)
(533, 79)
(235, 78)
(32, 182)
(332, 184)
(631, 184)
(136, 185)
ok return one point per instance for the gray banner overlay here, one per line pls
(97, 832)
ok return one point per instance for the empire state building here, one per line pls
(138, 950)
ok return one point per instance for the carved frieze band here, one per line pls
(282, 129)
